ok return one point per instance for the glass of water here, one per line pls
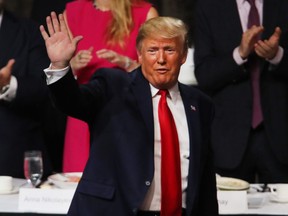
(33, 167)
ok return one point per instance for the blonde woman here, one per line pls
(109, 29)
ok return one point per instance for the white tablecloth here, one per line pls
(9, 203)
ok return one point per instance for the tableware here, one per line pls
(14, 190)
(256, 199)
(5, 184)
(228, 183)
(279, 192)
(66, 180)
(33, 167)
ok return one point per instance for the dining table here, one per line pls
(9, 205)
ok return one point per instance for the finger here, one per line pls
(49, 25)
(7, 70)
(277, 32)
(10, 64)
(44, 33)
(91, 49)
(76, 40)
(63, 26)
(275, 37)
(55, 22)
(263, 45)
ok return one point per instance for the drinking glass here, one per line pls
(33, 167)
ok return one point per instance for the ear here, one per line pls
(139, 57)
(184, 57)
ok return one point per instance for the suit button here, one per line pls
(147, 183)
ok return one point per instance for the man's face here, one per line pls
(161, 60)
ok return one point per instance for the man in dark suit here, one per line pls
(224, 45)
(23, 93)
(122, 175)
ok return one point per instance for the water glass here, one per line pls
(33, 167)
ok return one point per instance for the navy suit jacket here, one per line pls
(118, 109)
(21, 119)
(218, 33)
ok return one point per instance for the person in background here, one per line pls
(55, 122)
(23, 93)
(136, 150)
(109, 29)
(40, 9)
(232, 38)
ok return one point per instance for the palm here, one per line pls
(60, 47)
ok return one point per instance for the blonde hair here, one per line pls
(163, 27)
(122, 21)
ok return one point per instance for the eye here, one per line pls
(151, 51)
(170, 50)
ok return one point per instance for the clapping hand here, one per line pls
(267, 49)
(249, 39)
(60, 47)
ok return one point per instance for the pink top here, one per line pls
(83, 19)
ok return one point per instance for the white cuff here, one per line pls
(236, 56)
(53, 75)
(10, 94)
(279, 55)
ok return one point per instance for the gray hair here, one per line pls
(163, 27)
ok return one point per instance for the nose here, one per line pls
(161, 58)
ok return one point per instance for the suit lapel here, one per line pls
(231, 20)
(192, 114)
(141, 90)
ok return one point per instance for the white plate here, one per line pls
(65, 180)
(227, 183)
(14, 190)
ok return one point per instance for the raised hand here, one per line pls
(60, 47)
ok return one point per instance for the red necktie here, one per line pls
(253, 64)
(171, 192)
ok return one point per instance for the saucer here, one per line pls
(13, 191)
(275, 199)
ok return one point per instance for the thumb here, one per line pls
(7, 69)
(10, 64)
(5, 72)
(276, 35)
(77, 39)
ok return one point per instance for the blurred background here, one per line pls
(39, 9)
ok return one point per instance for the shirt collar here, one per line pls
(241, 2)
(173, 92)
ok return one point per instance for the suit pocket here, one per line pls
(96, 189)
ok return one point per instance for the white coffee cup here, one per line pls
(280, 192)
(6, 184)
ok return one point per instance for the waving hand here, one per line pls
(60, 47)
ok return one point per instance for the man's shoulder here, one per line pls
(195, 93)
